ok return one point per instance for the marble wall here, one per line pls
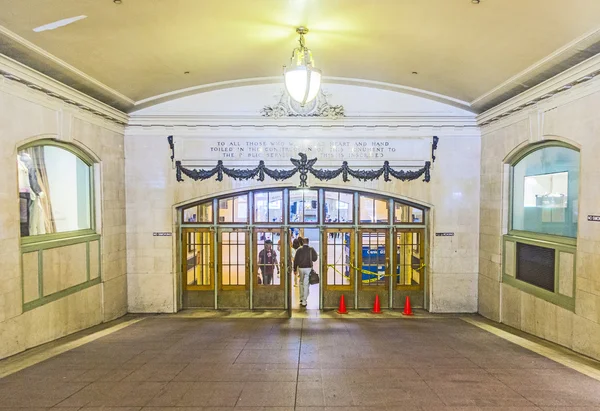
(574, 118)
(153, 192)
(25, 116)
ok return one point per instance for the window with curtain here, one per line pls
(54, 191)
(545, 192)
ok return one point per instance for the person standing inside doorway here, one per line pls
(267, 260)
(296, 244)
(303, 262)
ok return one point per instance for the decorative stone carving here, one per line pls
(304, 166)
(319, 107)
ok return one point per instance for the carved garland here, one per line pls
(302, 166)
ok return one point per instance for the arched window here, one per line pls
(545, 191)
(55, 189)
(539, 250)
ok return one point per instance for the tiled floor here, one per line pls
(278, 364)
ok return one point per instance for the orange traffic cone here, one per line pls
(407, 309)
(342, 309)
(376, 307)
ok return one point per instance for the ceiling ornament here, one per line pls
(318, 107)
(302, 80)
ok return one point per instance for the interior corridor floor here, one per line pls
(184, 364)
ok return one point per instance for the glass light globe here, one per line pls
(302, 83)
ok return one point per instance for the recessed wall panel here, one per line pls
(64, 267)
(30, 277)
(94, 259)
(565, 274)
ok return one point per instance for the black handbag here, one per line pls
(313, 277)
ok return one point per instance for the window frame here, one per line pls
(43, 242)
(268, 192)
(197, 206)
(410, 206)
(216, 213)
(289, 205)
(87, 160)
(511, 188)
(375, 198)
(338, 192)
(560, 244)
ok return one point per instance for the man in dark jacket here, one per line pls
(267, 260)
(303, 262)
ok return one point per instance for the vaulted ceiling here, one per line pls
(479, 54)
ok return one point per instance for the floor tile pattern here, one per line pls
(278, 364)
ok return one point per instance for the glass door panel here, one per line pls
(408, 259)
(198, 267)
(408, 267)
(373, 258)
(269, 257)
(338, 266)
(269, 268)
(374, 262)
(234, 268)
(338, 251)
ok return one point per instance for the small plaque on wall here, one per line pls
(444, 234)
(595, 218)
(162, 234)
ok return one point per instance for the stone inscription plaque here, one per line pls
(206, 151)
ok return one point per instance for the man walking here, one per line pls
(303, 262)
(267, 260)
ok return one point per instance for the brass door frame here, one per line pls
(220, 259)
(421, 233)
(281, 256)
(352, 271)
(385, 284)
(184, 254)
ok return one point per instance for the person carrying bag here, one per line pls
(303, 262)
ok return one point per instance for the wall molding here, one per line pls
(61, 63)
(572, 81)
(530, 71)
(183, 124)
(15, 72)
(382, 128)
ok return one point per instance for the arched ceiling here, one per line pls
(124, 53)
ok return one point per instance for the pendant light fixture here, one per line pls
(302, 79)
